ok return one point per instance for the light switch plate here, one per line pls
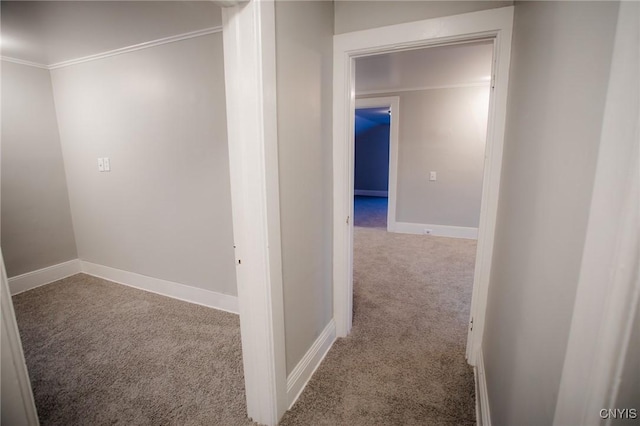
(101, 164)
(432, 176)
(107, 164)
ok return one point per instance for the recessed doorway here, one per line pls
(375, 163)
(412, 285)
(492, 25)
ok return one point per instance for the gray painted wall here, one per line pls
(165, 208)
(304, 45)
(441, 130)
(559, 74)
(36, 220)
(372, 159)
(361, 15)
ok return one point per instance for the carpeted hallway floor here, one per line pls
(403, 363)
(102, 353)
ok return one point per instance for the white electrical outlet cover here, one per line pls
(107, 164)
(100, 164)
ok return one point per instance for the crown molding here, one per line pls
(22, 62)
(417, 89)
(120, 51)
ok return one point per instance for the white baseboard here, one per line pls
(211, 299)
(371, 193)
(43, 276)
(437, 230)
(483, 414)
(301, 374)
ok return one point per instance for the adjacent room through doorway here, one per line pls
(115, 174)
(417, 197)
(372, 132)
(432, 171)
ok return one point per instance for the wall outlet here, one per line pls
(104, 165)
(428, 231)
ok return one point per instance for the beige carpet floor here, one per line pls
(101, 353)
(403, 363)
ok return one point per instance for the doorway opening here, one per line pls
(438, 168)
(412, 286)
(63, 252)
(493, 26)
(375, 167)
(372, 128)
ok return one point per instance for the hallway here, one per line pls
(404, 360)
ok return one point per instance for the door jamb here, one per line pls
(250, 83)
(18, 404)
(393, 103)
(493, 23)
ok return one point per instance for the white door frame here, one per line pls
(393, 103)
(250, 83)
(18, 406)
(493, 24)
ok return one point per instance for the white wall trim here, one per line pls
(371, 193)
(302, 373)
(186, 293)
(23, 62)
(483, 412)
(493, 24)
(18, 405)
(437, 230)
(198, 296)
(393, 103)
(139, 46)
(31, 280)
(422, 88)
(120, 51)
(252, 126)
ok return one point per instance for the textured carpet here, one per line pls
(403, 363)
(102, 353)
(370, 212)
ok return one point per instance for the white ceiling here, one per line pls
(48, 32)
(460, 64)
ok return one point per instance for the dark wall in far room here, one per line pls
(372, 159)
